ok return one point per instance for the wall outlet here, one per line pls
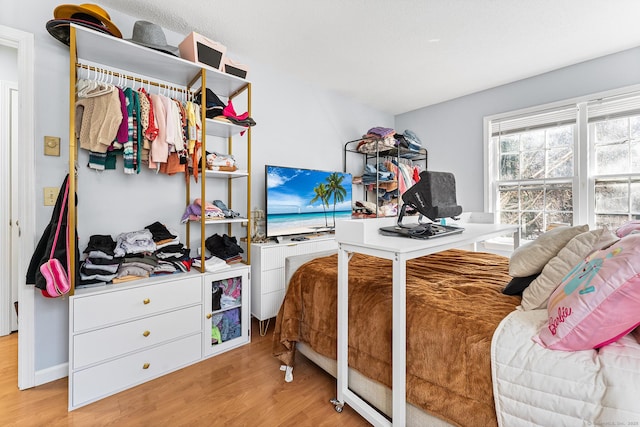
(50, 195)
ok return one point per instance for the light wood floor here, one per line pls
(243, 387)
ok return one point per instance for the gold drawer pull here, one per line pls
(146, 333)
(146, 301)
(146, 366)
(209, 316)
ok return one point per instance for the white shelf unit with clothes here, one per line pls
(121, 335)
(371, 159)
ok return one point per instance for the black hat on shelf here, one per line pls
(86, 15)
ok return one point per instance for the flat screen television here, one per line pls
(305, 201)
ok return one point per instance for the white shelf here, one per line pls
(222, 129)
(144, 281)
(226, 221)
(115, 53)
(230, 307)
(225, 174)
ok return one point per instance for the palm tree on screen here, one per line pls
(322, 194)
(336, 190)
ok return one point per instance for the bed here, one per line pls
(468, 348)
(450, 333)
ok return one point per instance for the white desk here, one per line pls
(361, 236)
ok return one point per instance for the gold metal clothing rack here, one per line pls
(114, 74)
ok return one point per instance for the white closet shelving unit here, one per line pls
(126, 334)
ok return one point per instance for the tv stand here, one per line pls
(268, 285)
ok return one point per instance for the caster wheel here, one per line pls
(338, 405)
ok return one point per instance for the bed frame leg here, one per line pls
(339, 406)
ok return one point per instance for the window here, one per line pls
(614, 132)
(534, 180)
(571, 163)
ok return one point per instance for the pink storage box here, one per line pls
(234, 68)
(201, 50)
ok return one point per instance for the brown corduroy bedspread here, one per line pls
(454, 304)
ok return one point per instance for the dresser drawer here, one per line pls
(102, 344)
(267, 306)
(108, 378)
(272, 280)
(273, 256)
(121, 305)
(324, 245)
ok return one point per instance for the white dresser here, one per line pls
(123, 335)
(267, 273)
(130, 334)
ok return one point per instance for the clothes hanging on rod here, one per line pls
(155, 130)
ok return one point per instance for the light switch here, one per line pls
(51, 146)
(50, 195)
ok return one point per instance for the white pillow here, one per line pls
(531, 258)
(537, 294)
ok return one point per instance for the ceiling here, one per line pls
(400, 55)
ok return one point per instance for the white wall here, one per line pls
(452, 131)
(298, 125)
(8, 64)
(301, 126)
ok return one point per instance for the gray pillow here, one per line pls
(537, 294)
(531, 258)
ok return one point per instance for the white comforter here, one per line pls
(534, 386)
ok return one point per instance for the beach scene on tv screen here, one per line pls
(301, 201)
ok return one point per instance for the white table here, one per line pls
(361, 236)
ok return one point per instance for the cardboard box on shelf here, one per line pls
(199, 49)
(234, 68)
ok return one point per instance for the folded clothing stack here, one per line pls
(228, 213)
(211, 264)
(193, 212)
(383, 139)
(224, 247)
(377, 139)
(408, 139)
(221, 162)
(100, 266)
(134, 255)
(371, 174)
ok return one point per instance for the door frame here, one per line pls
(23, 193)
(8, 154)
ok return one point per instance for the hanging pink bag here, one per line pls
(52, 270)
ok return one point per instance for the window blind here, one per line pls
(541, 119)
(613, 107)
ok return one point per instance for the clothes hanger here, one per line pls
(102, 87)
(86, 85)
(81, 85)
